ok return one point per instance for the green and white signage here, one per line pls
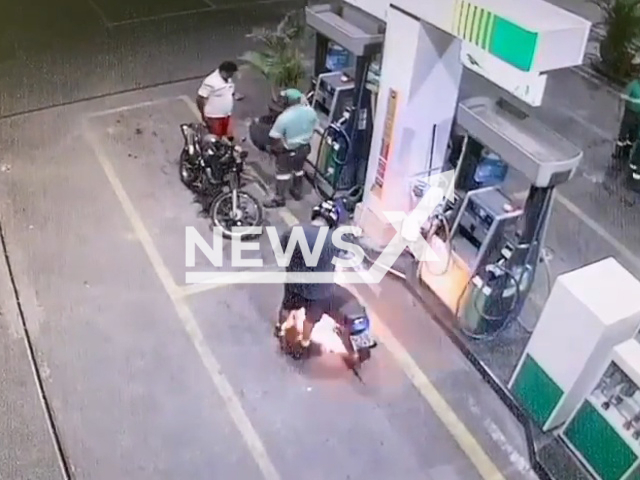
(529, 35)
(500, 37)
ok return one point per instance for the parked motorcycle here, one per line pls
(214, 168)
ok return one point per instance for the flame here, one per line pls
(324, 333)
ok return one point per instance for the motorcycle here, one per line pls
(358, 326)
(327, 334)
(215, 169)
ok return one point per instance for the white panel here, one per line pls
(377, 8)
(534, 15)
(418, 60)
(627, 357)
(528, 87)
(568, 45)
(438, 13)
(554, 343)
(398, 58)
(612, 300)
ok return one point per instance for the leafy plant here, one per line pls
(280, 59)
(619, 46)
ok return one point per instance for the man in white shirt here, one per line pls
(215, 99)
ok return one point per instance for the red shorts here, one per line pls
(220, 127)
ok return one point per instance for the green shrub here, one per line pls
(279, 59)
(619, 46)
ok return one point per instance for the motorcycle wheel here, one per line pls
(223, 217)
(188, 172)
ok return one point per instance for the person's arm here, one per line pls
(204, 92)
(277, 134)
(630, 93)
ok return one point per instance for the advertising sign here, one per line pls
(387, 136)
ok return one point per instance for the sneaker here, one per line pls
(300, 352)
(278, 332)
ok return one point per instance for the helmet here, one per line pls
(328, 211)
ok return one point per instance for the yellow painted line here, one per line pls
(249, 277)
(230, 399)
(132, 106)
(192, 106)
(288, 217)
(467, 442)
(188, 290)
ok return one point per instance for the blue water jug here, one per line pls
(337, 58)
(491, 170)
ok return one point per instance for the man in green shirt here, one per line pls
(630, 125)
(289, 140)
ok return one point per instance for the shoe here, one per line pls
(296, 187)
(278, 331)
(300, 352)
(352, 362)
(277, 200)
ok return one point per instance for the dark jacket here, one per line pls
(311, 291)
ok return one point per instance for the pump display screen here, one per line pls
(483, 217)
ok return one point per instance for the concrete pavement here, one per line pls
(147, 382)
(92, 314)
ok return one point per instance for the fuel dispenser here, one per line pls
(344, 99)
(579, 375)
(489, 257)
(482, 236)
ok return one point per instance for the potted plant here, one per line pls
(279, 59)
(281, 62)
(619, 46)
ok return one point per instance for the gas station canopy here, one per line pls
(531, 35)
(359, 34)
(543, 156)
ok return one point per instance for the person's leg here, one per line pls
(215, 126)
(298, 171)
(628, 127)
(227, 128)
(634, 127)
(283, 176)
(291, 302)
(314, 310)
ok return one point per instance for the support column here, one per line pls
(419, 84)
